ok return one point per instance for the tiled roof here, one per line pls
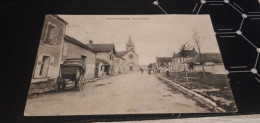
(186, 53)
(116, 55)
(60, 19)
(122, 53)
(76, 42)
(208, 57)
(164, 59)
(102, 47)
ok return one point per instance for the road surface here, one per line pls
(131, 93)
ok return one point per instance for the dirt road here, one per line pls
(132, 93)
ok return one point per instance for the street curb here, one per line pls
(197, 96)
(52, 89)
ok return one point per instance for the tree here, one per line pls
(197, 40)
(183, 54)
(150, 66)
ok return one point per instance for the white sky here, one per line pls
(159, 35)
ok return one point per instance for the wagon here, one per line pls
(71, 71)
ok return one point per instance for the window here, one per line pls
(131, 56)
(51, 34)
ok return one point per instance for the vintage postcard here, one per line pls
(128, 64)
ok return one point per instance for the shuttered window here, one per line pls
(51, 34)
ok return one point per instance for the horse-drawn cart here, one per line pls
(72, 70)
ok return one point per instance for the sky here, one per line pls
(153, 35)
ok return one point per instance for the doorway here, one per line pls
(131, 68)
(44, 66)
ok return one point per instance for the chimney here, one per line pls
(90, 42)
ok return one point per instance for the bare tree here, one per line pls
(197, 40)
(183, 54)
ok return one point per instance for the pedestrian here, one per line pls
(149, 71)
(142, 70)
(167, 72)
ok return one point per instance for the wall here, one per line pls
(216, 69)
(134, 61)
(116, 65)
(74, 51)
(53, 51)
(101, 70)
(105, 56)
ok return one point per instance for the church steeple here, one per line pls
(130, 45)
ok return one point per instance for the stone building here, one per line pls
(104, 52)
(131, 57)
(73, 48)
(119, 64)
(212, 62)
(181, 59)
(47, 64)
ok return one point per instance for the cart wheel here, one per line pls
(57, 86)
(80, 86)
(63, 86)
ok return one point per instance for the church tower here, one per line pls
(130, 45)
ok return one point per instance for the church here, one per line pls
(132, 58)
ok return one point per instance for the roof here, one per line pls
(122, 53)
(102, 47)
(73, 62)
(116, 55)
(186, 53)
(60, 19)
(76, 42)
(164, 59)
(208, 57)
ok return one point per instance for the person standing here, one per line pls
(167, 72)
(142, 70)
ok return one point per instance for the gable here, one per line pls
(130, 52)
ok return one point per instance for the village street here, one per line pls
(131, 93)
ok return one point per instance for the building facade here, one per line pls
(47, 64)
(104, 52)
(181, 59)
(130, 56)
(119, 65)
(73, 48)
(212, 63)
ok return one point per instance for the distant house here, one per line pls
(100, 67)
(104, 52)
(47, 64)
(164, 62)
(212, 62)
(131, 57)
(73, 48)
(181, 59)
(119, 64)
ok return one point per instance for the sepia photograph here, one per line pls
(128, 64)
